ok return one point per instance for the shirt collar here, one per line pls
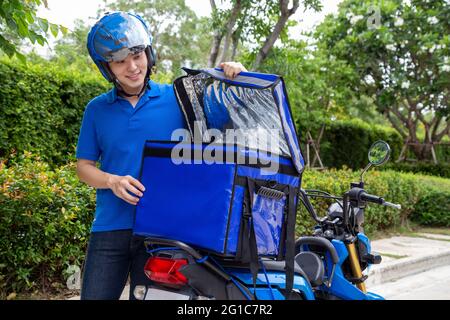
(152, 93)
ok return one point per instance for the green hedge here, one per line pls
(439, 170)
(45, 218)
(346, 143)
(424, 199)
(41, 109)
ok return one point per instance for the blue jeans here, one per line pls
(111, 257)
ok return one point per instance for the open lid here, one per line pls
(251, 111)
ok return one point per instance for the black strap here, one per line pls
(248, 250)
(254, 265)
(290, 243)
(121, 91)
(185, 104)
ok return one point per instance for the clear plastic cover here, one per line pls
(245, 116)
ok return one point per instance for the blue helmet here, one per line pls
(115, 36)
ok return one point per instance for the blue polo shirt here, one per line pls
(113, 133)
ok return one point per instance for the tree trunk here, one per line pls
(423, 150)
(229, 30)
(281, 23)
(235, 45)
(217, 38)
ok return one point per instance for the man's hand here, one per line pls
(232, 69)
(122, 185)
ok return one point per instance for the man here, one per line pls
(115, 126)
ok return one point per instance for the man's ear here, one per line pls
(109, 73)
(151, 56)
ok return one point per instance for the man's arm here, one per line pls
(120, 185)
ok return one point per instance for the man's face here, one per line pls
(131, 71)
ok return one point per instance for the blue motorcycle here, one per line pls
(328, 265)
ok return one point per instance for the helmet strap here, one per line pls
(121, 92)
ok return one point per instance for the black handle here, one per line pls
(371, 198)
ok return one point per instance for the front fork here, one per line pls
(355, 266)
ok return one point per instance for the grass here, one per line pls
(443, 231)
(418, 235)
(393, 232)
(410, 230)
(390, 255)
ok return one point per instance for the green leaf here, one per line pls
(21, 57)
(11, 23)
(43, 24)
(30, 17)
(40, 39)
(32, 37)
(54, 28)
(64, 30)
(22, 29)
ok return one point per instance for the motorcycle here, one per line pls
(329, 265)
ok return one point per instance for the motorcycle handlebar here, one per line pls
(371, 198)
(375, 199)
(393, 205)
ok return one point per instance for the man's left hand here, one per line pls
(232, 69)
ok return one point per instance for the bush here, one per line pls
(42, 108)
(423, 199)
(346, 143)
(439, 170)
(45, 219)
(433, 206)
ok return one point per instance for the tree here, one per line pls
(18, 21)
(71, 51)
(179, 36)
(285, 13)
(253, 22)
(402, 62)
(318, 89)
(227, 24)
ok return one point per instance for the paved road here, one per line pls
(429, 285)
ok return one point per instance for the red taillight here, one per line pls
(165, 270)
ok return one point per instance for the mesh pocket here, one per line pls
(267, 211)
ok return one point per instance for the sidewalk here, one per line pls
(402, 256)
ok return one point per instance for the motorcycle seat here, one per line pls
(270, 265)
(273, 265)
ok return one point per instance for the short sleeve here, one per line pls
(88, 146)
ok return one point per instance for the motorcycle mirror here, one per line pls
(379, 153)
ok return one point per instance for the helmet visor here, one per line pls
(123, 53)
